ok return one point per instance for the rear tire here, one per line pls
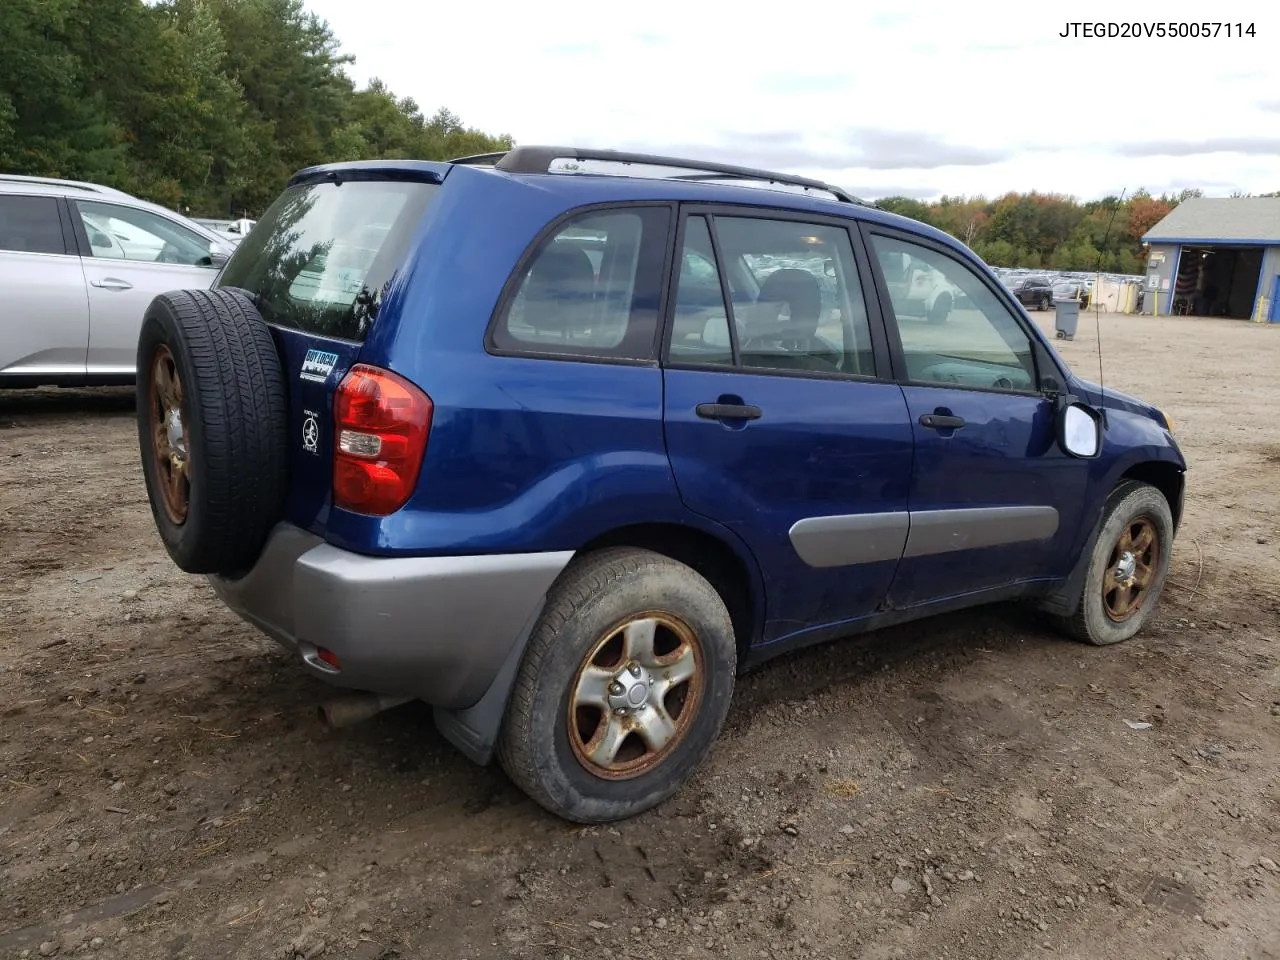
(563, 740)
(1127, 571)
(1044, 303)
(212, 428)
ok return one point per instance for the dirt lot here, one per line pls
(960, 788)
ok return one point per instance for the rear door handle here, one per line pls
(938, 421)
(729, 411)
(112, 283)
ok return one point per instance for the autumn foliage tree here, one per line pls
(1045, 230)
(1145, 212)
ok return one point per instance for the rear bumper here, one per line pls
(434, 628)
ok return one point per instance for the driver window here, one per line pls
(123, 233)
(954, 330)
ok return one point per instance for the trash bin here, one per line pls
(1067, 318)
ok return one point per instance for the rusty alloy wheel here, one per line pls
(1131, 570)
(170, 436)
(635, 696)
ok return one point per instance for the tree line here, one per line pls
(1051, 231)
(206, 106)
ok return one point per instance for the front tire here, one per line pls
(624, 686)
(1127, 569)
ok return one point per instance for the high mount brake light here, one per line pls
(382, 422)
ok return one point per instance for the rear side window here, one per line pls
(796, 298)
(30, 225)
(323, 255)
(593, 289)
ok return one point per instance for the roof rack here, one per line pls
(63, 184)
(536, 159)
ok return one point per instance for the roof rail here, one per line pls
(65, 184)
(538, 159)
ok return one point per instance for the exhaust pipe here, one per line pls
(345, 711)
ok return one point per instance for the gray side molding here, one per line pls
(840, 541)
(945, 531)
(849, 539)
(474, 730)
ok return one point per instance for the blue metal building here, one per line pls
(1215, 256)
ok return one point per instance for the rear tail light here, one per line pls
(381, 421)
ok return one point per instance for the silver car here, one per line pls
(79, 263)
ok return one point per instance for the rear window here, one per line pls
(323, 256)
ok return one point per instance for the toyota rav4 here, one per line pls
(559, 441)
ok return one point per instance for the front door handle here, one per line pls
(112, 283)
(729, 411)
(938, 421)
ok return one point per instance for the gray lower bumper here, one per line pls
(434, 628)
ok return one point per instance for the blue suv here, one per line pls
(559, 441)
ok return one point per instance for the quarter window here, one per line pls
(592, 289)
(124, 233)
(954, 330)
(30, 225)
(796, 300)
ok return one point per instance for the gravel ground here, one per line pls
(966, 787)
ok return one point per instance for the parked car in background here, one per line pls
(1072, 290)
(563, 482)
(79, 263)
(233, 230)
(1034, 292)
(919, 289)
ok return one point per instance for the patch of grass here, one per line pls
(1271, 452)
(843, 788)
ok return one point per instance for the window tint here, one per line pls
(30, 225)
(124, 233)
(593, 289)
(324, 254)
(954, 330)
(797, 300)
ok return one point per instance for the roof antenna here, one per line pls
(1097, 309)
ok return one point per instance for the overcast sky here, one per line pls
(918, 99)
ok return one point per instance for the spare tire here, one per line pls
(212, 428)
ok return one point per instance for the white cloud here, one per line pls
(937, 98)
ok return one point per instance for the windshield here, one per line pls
(324, 255)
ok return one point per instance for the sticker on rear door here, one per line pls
(311, 431)
(317, 365)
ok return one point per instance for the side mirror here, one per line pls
(218, 257)
(1079, 429)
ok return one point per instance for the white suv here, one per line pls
(78, 265)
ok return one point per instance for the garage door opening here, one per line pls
(1218, 281)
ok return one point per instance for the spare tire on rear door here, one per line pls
(212, 427)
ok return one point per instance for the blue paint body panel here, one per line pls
(822, 448)
(531, 454)
(1006, 455)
